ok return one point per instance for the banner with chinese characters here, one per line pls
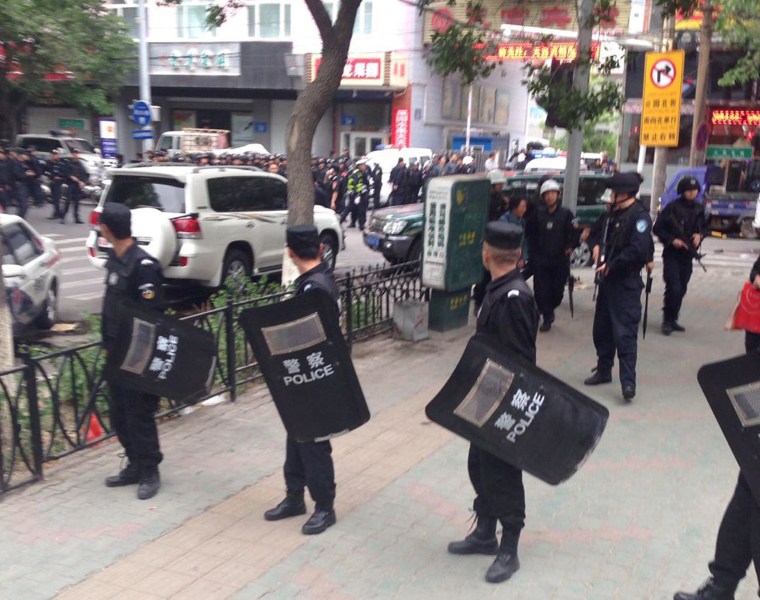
(161, 355)
(306, 364)
(198, 58)
(734, 116)
(518, 412)
(547, 14)
(524, 51)
(361, 70)
(661, 104)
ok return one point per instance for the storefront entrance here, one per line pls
(360, 143)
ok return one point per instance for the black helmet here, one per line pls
(688, 183)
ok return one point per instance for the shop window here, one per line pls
(191, 21)
(269, 20)
(127, 10)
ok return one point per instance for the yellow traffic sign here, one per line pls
(661, 107)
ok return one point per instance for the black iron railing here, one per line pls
(56, 403)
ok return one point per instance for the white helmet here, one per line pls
(550, 185)
(496, 176)
(467, 160)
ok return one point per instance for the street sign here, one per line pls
(142, 134)
(661, 107)
(729, 152)
(141, 114)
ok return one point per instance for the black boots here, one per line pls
(710, 590)
(481, 541)
(669, 326)
(598, 377)
(129, 475)
(292, 506)
(318, 522)
(150, 482)
(506, 563)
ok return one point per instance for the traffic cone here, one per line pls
(95, 429)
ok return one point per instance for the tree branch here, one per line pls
(322, 19)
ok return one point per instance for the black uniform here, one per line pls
(549, 236)
(134, 277)
(377, 185)
(310, 463)
(398, 179)
(618, 306)
(22, 177)
(6, 181)
(413, 185)
(509, 314)
(77, 175)
(680, 219)
(57, 172)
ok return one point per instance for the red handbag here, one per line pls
(746, 313)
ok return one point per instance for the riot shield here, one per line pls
(732, 389)
(159, 354)
(518, 412)
(305, 361)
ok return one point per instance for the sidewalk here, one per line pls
(638, 521)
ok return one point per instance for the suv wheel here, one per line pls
(415, 251)
(237, 267)
(46, 319)
(581, 256)
(329, 250)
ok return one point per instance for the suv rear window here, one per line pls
(42, 144)
(240, 194)
(162, 193)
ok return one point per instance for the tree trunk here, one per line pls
(312, 104)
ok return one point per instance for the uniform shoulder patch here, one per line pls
(146, 262)
(642, 225)
(513, 293)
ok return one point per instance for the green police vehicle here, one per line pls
(396, 231)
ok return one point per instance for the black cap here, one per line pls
(303, 240)
(688, 183)
(625, 183)
(118, 218)
(503, 235)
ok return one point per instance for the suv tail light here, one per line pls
(188, 228)
(94, 218)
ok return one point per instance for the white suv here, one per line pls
(204, 224)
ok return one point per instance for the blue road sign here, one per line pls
(142, 134)
(141, 113)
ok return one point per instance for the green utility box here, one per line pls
(456, 211)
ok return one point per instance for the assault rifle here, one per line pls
(602, 259)
(681, 235)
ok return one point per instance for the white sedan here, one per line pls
(30, 272)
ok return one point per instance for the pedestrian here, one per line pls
(413, 183)
(58, 175)
(680, 227)
(628, 249)
(509, 314)
(357, 190)
(308, 464)
(515, 214)
(551, 239)
(738, 542)
(398, 180)
(490, 163)
(452, 167)
(77, 179)
(133, 277)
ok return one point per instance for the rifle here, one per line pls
(602, 257)
(681, 235)
(648, 290)
(570, 287)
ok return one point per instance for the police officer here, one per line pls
(58, 175)
(618, 305)
(357, 192)
(37, 165)
(509, 314)
(6, 180)
(133, 276)
(377, 184)
(551, 239)
(680, 227)
(398, 180)
(77, 179)
(23, 175)
(738, 542)
(308, 464)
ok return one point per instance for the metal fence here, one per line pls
(54, 404)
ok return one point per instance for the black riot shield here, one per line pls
(732, 389)
(307, 366)
(159, 354)
(518, 412)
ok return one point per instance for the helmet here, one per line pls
(688, 183)
(468, 160)
(550, 185)
(625, 183)
(496, 177)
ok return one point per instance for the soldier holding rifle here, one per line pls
(680, 227)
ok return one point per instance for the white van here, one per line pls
(388, 158)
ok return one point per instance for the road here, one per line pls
(82, 284)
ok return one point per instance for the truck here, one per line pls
(191, 140)
(729, 194)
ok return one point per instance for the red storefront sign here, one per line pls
(400, 130)
(362, 68)
(735, 116)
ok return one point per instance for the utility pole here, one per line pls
(143, 63)
(580, 83)
(659, 174)
(703, 67)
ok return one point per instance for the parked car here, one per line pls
(396, 231)
(30, 273)
(205, 224)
